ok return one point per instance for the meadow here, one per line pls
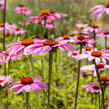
(54, 54)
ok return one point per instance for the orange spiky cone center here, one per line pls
(27, 42)
(50, 43)
(107, 4)
(66, 36)
(96, 53)
(45, 12)
(26, 80)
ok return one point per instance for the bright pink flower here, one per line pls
(66, 38)
(22, 23)
(2, 5)
(10, 27)
(1, 27)
(87, 48)
(55, 15)
(47, 15)
(50, 25)
(6, 56)
(105, 50)
(101, 67)
(21, 9)
(63, 15)
(27, 84)
(95, 29)
(94, 55)
(73, 54)
(99, 10)
(84, 74)
(104, 80)
(83, 40)
(18, 31)
(104, 34)
(92, 87)
(16, 48)
(36, 19)
(46, 46)
(4, 80)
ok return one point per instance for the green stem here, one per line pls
(99, 100)
(94, 37)
(105, 42)
(9, 65)
(32, 65)
(92, 82)
(95, 101)
(44, 29)
(38, 105)
(42, 75)
(49, 77)
(1, 100)
(102, 91)
(78, 78)
(27, 101)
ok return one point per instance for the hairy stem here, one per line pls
(32, 65)
(105, 42)
(78, 78)
(49, 77)
(27, 101)
(102, 91)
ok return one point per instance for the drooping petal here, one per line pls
(35, 87)
(26, 88)
(19, 89)
(97, 60)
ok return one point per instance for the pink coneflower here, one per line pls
(21, 9)
(63, 15)
(6, 56)
(45, 15)
(16, 48)
(101, 67)
(36, 19)
(104, 80)
(92, 87)
(94, 28)
(65, 38)
(95, 55)
(83, 40)
(84, 74)
(1, 27)
(46, 46)
(10, 27)
(73, 54)
(99, 10)
(27, 84)
(104, 34)
(4, 80)
(105, 50)
(50, 25)
(80, 32)
(17, 31)
(81, 26)
(88, 48)
(2, 5)
(55, 15)
(22, 23)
